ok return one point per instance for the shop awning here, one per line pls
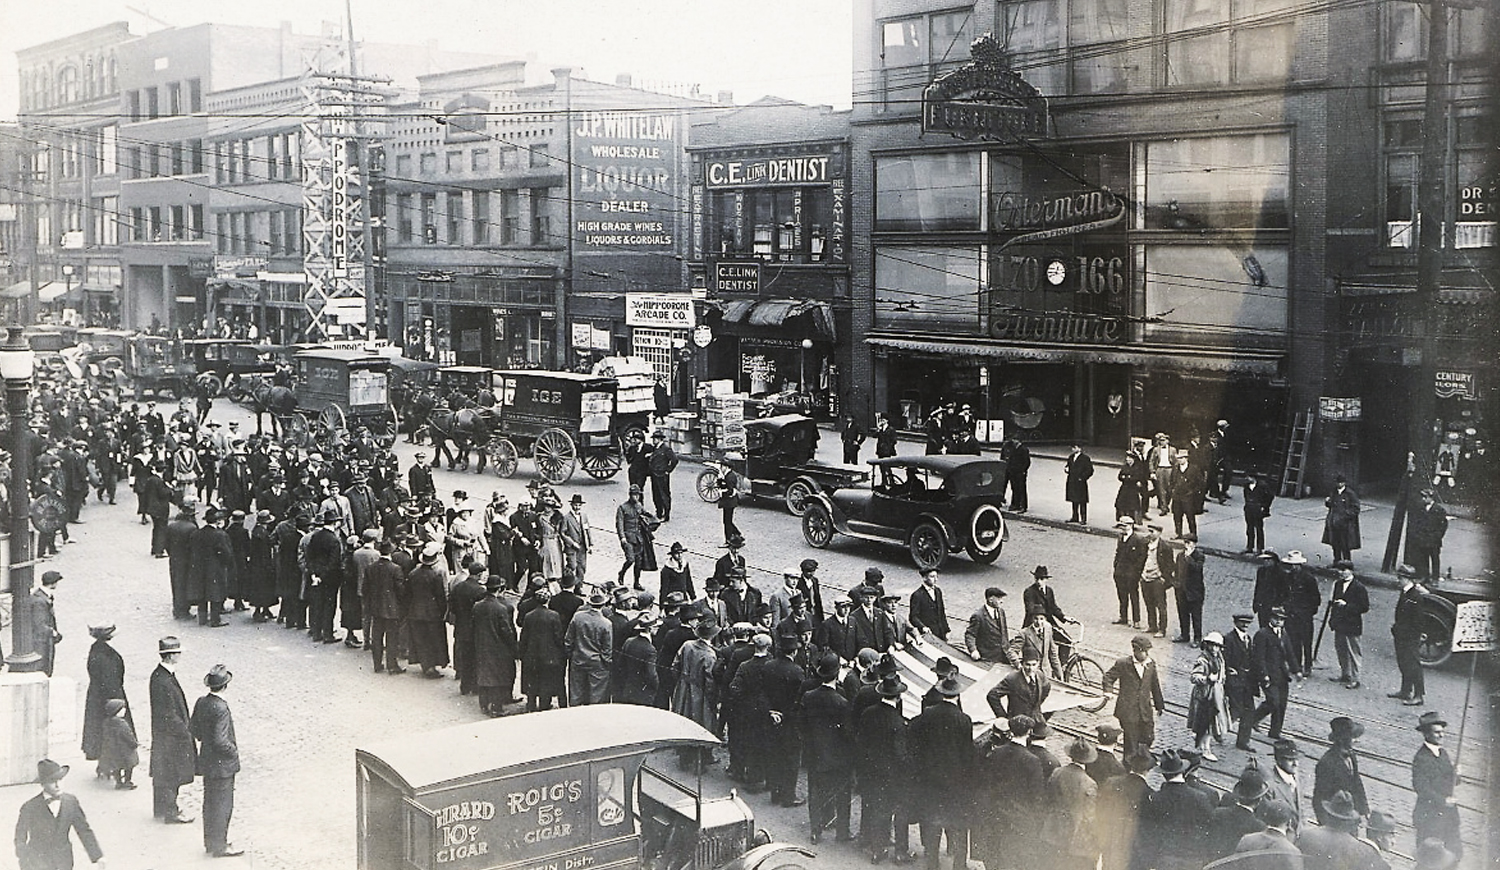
(106, 289)
(18, 290)
(1247, 362)
(775, 312)
(51, 290)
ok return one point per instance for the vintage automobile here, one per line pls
(591, 786)
(934, 505)
(779, 464)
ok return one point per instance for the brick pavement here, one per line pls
(301, 709)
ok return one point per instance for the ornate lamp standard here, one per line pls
(17, 361)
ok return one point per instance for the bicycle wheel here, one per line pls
(1084, 673)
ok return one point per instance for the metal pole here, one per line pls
(1463, 716)
(23, 656)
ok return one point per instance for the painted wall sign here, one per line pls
(768, 171)
(736, 277)
(659, 310)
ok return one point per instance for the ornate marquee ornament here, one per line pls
(984, 99)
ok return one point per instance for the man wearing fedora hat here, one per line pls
(212, 560)
(1231, 821)
(1272, 669)
(1341, 526)
(1407, 631)
(1334, 841)
(1348, 602)
(174, 757)
(1338, 770)
(1013, 785)
(1303, 599)
(829, 751)
(781, 681)
(46, 822)
(1379, 831)
(1069, 824)
(589, 640)
(495, 648)
(882, 761)
(1426, 527)
(1433, 776)
(1175, 820)
(1038, 635)
(941, 741)
(218, 762)
(462, 598)
(577, 538)
(323, 558)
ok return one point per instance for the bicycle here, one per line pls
(1080, 671)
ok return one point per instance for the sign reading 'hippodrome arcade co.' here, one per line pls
(984, 99)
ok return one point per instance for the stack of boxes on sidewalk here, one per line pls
(723, 417)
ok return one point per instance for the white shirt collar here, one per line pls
(1436, 749)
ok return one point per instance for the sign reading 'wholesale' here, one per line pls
(625, 181)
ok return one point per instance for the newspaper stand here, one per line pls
(575, 787)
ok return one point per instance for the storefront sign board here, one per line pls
(660, 310)
(1451, 384)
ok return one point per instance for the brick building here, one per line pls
(1115, 217)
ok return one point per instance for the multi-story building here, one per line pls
(537, 225)
(1114, 217)
(15, 283)
(70, 92)
(769, 248)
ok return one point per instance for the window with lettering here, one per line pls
(777, 224)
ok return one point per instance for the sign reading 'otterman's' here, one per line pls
(984, 99)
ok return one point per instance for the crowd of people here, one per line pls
(339, 542)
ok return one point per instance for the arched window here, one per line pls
(90, 83)
(67, 84)
(111, 83)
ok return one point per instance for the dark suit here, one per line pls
(177, 541)
(927, 611)
(1271, 658)
(218, 762)
(868, 630)
(1406, 634)
(1119, 811)
(1432, 778)
(1078, 469)
(174, 757)
(1425, 529)
(42, 830)
(1226, 825)
(834, 635)
(988, 636)
(1106, 767)
(461, 600)
(1139, 703)
(1130, 560)
(1258, 500)
(1015, 695)
(1007, 822)
(1240, 687)
(882, 762)
(828, 750)
(1174, 824)
(741, 604)
(941, 740)
(1338, 770)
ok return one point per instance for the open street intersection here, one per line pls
(301, 708)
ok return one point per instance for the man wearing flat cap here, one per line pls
(1140, 698)
(987, 638)
(1433, 776)
(218, 762)
(634, 524)
(46, 821)
(174, 757)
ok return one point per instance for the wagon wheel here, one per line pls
(332, 418)
(710, 485)
(505, 456)
(389, 425)
(602, 463)
(556, 456)
(295, 430)
(796, 495)
(210, 384)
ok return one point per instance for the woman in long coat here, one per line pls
(495, 649)
(106, 680)
(550, 544)
(1133, 499)
(544, 656)
(502, 554)
(1208, 714)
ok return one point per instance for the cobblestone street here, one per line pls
(301, 709)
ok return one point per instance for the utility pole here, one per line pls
(1432, 223)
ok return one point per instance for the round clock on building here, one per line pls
(1057, 272)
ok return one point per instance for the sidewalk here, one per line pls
(1294, 524)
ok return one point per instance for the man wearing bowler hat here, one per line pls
(1348, 602)
(1433, 775)
(174, 757)
(218, 762)
(1140, 698)
(42, 831)
(1338, 769)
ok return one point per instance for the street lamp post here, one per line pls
(16, 364)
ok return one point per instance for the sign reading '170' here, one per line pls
(1091, 275)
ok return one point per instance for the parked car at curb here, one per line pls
(933, 505)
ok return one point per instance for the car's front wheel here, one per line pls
(817, 525)
(986, 534)
(928, 544)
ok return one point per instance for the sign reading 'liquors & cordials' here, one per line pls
(984, 99)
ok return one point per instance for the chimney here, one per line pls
(725, 98)
(561, 75)
(624, 80)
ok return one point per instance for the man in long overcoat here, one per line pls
(1341, 528)
(1338, 769)
(493, 628)
(694, 694)
(177, 542)
(385, 597)
(212, 558)
(881, 762)
(544, 657)
(174, 756)
(1078, 468)
(1008, 814)
(462, 599)
(782, 681)
(941, 740)
(427, 599)
(106, 669)
(1425, 529)
(828, 746)
(590, 643)
(218, 762)
(1069, 827)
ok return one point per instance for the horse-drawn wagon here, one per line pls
(561, 419)
(228, 366)
(340, 390)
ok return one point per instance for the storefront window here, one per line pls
(1220, 295)
(928, 192)
(927, 289)
(1218, 182)
(777, 224)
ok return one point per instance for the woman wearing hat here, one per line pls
(676, 574)
(106, 669)
(1208, 712)
(259, 586)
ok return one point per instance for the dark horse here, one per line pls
(280, 401)
(467, 428)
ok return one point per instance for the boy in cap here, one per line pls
(42, 830)
(119, 756)
(1140, 698)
